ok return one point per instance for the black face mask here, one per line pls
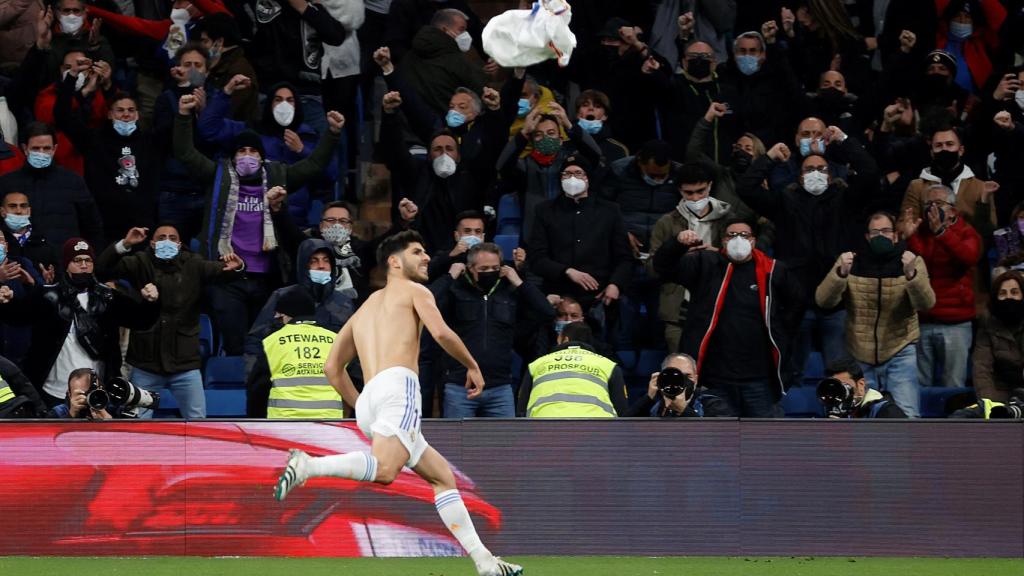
(276, 324)
(81, 280)
(944, 163)
(831, 98)
(611, 53)
(935, 83)
(740, 161)
(699, 68)
(487, 280)
(1010, 311)
(883, 247)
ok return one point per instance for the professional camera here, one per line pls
(120, 392)
(1012, 410)
(836, 396)
(672, 382)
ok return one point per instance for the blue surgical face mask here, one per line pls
(524, 107)
(653, 182)
(16, 221)
(39, 159)
(591, 126)
(454, 119)
(809, 145)
(748, 64)
(470, 240)
(961, 30)
(321, 277)
(124, 128)
(3, 252)
(165, 249)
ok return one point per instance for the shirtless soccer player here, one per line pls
(385, 334)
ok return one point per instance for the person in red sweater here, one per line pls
(67, 156)
(950, 248)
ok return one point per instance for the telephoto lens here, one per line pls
(836, 396)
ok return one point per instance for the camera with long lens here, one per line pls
(1012, 410)
(119, 391)
(672, 382)
(836, 396)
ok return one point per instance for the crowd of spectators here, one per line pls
(738, 185)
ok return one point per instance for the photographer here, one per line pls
(993, 410)
(672, 392)
(76, 404)
(845, 394)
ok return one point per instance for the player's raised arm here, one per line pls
(426, 308)
(342, 352)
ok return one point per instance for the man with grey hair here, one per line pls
(692, 402)
(950, 248)
(482, 301)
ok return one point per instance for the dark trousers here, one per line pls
(235, 305)
(185, 211)
(742, 398)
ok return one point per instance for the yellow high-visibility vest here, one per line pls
(296, 355)
(571, 383)
(5, 392)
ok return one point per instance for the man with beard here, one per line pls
(883, 289)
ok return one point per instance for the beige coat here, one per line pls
(881, 313)
(17, 29)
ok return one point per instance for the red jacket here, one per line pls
(155, 29)
(981, 43)
(66, 155)
(11, 158)
(951, 258)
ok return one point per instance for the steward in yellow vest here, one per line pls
(288, 379)
(18, 397)
(573, 381)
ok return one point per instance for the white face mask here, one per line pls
(573, 186)
(816, 183)
(444, 166)
(179, 16)
(284, 113)
(1018, 97)
(738, 249)
(698, 206)
(465, 41)
(80, 82)
(70, 23)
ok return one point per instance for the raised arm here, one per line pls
(342, 352)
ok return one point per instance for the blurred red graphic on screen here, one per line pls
(206, 489)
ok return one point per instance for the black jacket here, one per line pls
(641, 204)
(588, 235)
(812, 231)
(486, 322)
(705, 274)
(62, 207)
(54, 309)
(171, 345)
(764, 100)
(288, 46)
(122, 172)
(21, 386)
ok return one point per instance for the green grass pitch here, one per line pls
(533, 566)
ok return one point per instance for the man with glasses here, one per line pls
(883, 289)
(353, 258)
(816, 219)
(744, 308)
(950, 248)
(76, 323)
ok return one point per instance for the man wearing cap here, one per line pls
(244, 215)
(929, 88)
(579, 245)
(167, 354)
(288, 378)
(77, 323)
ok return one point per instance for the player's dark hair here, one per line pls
(396, 244)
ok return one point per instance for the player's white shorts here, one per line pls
(390, 406)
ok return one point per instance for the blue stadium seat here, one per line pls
(225, 403)
(638, 377)
(193, 245)
(225, 373)
(933, 400)
(510, 216)
(207, 343)
(316, 207)
(802, 402)
(508, 243)
(628, 358)
(814, 368)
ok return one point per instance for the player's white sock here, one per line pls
(456, 517)
(361, 466)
